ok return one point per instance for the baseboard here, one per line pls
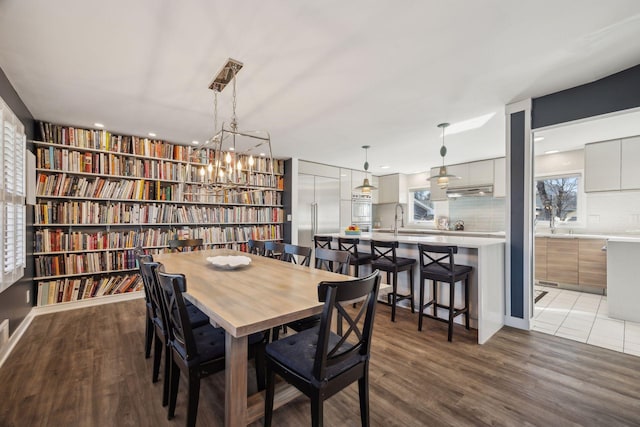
(89, 302)
(6, 350)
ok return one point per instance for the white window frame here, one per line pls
(580, 203)
(12, 197)
(410, 217)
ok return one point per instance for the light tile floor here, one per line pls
(584, 317)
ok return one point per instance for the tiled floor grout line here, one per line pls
(594, 319)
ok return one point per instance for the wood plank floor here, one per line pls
(86, 368)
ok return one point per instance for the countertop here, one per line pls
(501, 234)
(462, 241)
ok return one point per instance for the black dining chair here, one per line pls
(333, 260)
(350, 244)
(149, 271)
(386, 259)
(197, 352)
(297, 254)
(321, 363)
(437, 264)
(273, 249)
(256, 247)
(181, 245)
(148, 330)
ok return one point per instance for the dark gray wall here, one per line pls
(617, 92)
(13, 303)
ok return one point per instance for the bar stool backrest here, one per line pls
(349, 244)
(384, 251)
(436, 255)
(322, 241)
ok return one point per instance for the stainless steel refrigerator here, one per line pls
(318, 207)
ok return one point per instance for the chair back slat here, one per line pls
(146, 285)
(303, 254)
(256, 247)
(334, 294)
(149, 283)
(385, 250)
(274, 250)
(350, 245)
(181, 336)
(322, 241)
(445, 261)
(180, 244)
(332, 260)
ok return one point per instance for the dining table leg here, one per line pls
(235, 399)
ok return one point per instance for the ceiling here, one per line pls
(323, 77)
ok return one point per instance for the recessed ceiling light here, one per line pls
(385, 167)
(152, 134)
(262, 154)
(343, 174)
(538, 138)
(470, 124)
(98, 125)
(194, 142)
(552, 152)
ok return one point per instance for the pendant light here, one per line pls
(366, 187)
(442, 179)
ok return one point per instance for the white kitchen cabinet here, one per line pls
(630, 160)
(500, 177)
(375, 181)
(392, 188)
(602, 166)
(480, 173)
(346, 185)
(437, 193)
(345, 214)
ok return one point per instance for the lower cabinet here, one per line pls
(562, 260)
(572, 261)
(592, 263)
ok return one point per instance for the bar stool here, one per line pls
(357, 258)
(322, 242)
(385, 259)
(442, 268)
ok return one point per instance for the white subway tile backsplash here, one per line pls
(478, 213)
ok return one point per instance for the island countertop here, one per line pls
(461, 241)
(484, 254)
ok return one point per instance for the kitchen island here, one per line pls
(484, 254)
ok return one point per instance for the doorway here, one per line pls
(577, 212)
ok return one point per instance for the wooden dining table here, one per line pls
(253, 298)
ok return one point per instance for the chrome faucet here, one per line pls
(395, 219)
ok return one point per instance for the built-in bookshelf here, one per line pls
(99, 196)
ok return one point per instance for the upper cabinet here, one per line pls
(630, 160)
(612, 165)
(392, 188)
(483, 172)
(602, 166)
(346, 186)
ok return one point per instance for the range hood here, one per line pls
(470, 191)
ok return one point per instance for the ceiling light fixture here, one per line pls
(366, 187)
(442, 179)
(551, 151)
(98, 125)
(241, 160)
(385, 167)
(151, 134)
(194, 142)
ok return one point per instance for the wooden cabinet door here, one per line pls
(540, 253)
(562, 260)
(592, 262)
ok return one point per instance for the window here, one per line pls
(12, 197)
(420, 206)
(557, 197)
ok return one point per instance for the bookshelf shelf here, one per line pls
(100, 195)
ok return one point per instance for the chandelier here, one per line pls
(232, 159)
(442, 179)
